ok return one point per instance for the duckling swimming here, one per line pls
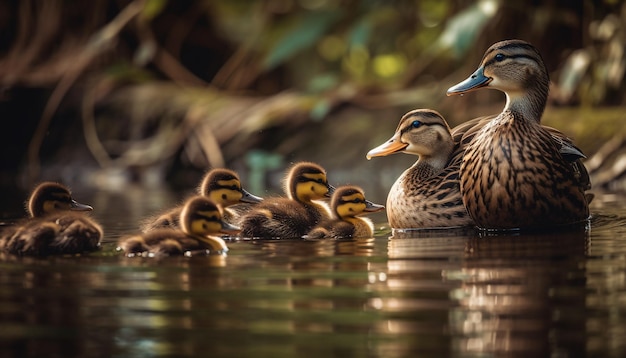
(426, 195)
(220, 185)
(295, 215)
(347, 203)
(55, 226)
(200, 220)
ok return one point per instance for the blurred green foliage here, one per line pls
(208, 76)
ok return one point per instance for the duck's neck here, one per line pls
(426, 167)
(529, 104)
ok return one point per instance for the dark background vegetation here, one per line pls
(109, 92)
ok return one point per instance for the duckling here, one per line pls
(200, 219)
(295, 215)
(426, 195)
(55, 225)
(515, 173)
(220, 185)
(347, 202)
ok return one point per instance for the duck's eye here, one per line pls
(499, 57)
(416, 124)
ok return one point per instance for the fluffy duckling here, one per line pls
(295, 215)
(56, 225)
(220, 185)
(347, 203)
(426, 195)
(515, 173)
(200, 220)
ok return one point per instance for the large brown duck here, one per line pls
(516, 173)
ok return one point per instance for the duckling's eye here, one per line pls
(499, 57)
(416, 124)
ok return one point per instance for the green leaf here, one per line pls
(360, 34)
(305, 34)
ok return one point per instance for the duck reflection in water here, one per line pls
(517, 295)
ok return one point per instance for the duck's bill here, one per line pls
(473, 82)
(373, 207)
(391, 146)
(230, 229)
(331, 190)
(249, 198)
(76, 206)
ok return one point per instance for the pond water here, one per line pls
(427, 294)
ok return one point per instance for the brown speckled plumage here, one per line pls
(516, 173)
(427, 194)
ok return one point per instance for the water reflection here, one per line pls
(516, 295)
(441, 293)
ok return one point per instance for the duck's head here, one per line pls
(201, 218)
(514, 67)
(49, 197)
(421, 132)
(224, 188)
(307, 181)
(349, 201)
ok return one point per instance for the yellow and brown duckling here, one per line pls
(200, 222)
(516, 173)
(220, 185)
(426, 195)
(347, 203)
(295, 215)
(57, 225)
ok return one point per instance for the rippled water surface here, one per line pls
(427, 294)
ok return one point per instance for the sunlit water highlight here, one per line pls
(417, 294)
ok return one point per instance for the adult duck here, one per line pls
(516, 173)
(426, 195)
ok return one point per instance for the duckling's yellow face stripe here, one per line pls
(232, 184)
(228, 193)
(351, 205)
(314, 187)
(315, 176)
(202, 227)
